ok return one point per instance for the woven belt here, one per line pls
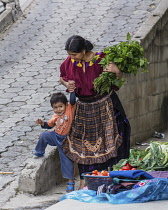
(93, 98)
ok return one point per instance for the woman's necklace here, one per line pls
(87, 58)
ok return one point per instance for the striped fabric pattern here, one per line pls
(94, 136)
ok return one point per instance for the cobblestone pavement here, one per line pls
(31, 51)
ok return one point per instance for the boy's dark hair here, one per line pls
(77, 44)
(58, 97)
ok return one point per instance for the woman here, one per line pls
(100, 133)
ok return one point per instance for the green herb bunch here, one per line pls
(128, 56)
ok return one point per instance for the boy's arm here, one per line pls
(46, 126)
(72, 98)
(43, 124)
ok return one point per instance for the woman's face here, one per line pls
(76, 56)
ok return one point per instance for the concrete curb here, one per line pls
(39, 171)
(76, 205)
(6, 19)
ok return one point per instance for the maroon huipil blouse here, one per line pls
(72, 70)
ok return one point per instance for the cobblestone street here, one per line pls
(31, 51)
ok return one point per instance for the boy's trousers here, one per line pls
(54, 139)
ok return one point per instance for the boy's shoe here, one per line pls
(70, 187)
(38, 154)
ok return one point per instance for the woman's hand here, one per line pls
(71, 85)
(113, 68)
(40, 122)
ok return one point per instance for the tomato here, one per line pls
(126, 168)
(100, 174)
(95, 172)
(130, 166)
(133, 169)
(104, 173)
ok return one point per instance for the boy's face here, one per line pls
(59, 108)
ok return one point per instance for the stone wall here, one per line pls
(145, 96)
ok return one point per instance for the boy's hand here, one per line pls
(40, 122)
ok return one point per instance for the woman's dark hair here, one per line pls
(77, 44)
(58, 97)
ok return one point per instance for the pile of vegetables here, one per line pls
(153, 158)
(128, 56)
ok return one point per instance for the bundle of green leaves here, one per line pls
(128, 56)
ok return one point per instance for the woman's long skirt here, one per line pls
(99, 135)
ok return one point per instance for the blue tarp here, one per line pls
(152, 190)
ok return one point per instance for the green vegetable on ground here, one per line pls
(128, 56)
(153, 158)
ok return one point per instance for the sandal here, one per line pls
(70, 187)
(38, 154)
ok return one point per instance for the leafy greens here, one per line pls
(128, 56)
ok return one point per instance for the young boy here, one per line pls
(61, 120)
